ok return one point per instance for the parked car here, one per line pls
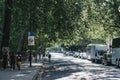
(107, 59)
(71, 53)
(76, 54)
(83, 55)
(65, 53)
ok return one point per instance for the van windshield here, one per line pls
(101, 52)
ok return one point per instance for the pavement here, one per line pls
(26, 72)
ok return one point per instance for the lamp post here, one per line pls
(30, 56)
(29, 34)
(31, 42)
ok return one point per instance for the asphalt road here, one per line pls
(69, 68)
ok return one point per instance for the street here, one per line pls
(82, 37)
(70, 68)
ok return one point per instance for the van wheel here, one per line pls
(93, 60)
(116, 63)
(102, 62)
(119, 63)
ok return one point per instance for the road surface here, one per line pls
(69, 68)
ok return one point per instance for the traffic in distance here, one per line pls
(99, 53)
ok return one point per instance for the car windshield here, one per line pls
(101, 53)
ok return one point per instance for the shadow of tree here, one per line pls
(60, 69)
(65, 68)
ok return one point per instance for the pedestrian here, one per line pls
(19, 61)
(30, 57)
(5, 60)
(36, 57)
(12, 60)
(49, 57)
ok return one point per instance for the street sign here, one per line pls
(31, 40)
(30, 33)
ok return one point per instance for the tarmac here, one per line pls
(26, 72)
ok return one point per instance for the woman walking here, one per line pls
(19, 61)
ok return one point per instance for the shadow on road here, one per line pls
(60, 69)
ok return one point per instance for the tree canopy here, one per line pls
(68, 22)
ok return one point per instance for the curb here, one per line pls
(38, 74)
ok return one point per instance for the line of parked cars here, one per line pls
(105, 59)
(82, 55)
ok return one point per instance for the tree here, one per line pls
(66, 22)
(7, 23)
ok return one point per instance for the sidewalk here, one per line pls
(26, 72)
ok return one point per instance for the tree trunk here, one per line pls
(6, 28)
(21, 42)
(7, 22)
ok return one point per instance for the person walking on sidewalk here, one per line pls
(49, 57)
(19, 61)
(5, 60)
(12, 60)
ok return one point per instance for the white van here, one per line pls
(95, 52)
